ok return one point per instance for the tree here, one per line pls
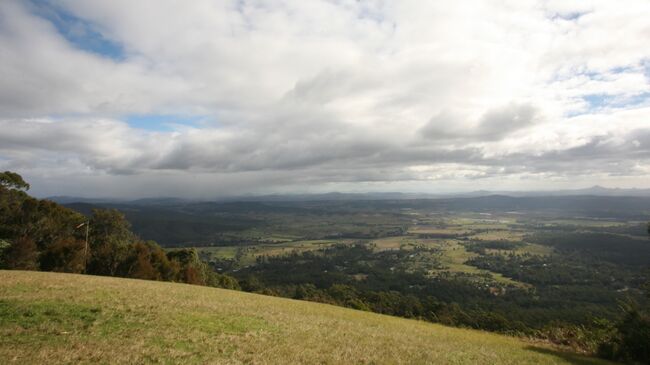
(64, 255)
(110, 239)
(141, 267)
(634, 334)
(195, 271)
(4, 246)
(632, 340)
(148, 261)
(43, 234)
(168, 269)
(22, 255)
(192, 270)
(11, 180)
(109, 224)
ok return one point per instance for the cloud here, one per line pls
(323, 95)
(492, 125)
(502, 121)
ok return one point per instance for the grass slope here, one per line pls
(63, 318)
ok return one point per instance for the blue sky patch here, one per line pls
(642, 99)
(162, 122)
(597, 101)
(569, 16)
(621, 69)
(79, 32)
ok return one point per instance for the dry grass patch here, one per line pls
(62, 318)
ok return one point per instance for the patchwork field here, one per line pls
(445, 236)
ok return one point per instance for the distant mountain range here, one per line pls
(336, 196)
(595, 190)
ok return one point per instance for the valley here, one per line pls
(521, 266)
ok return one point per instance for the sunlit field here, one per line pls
(63, 318)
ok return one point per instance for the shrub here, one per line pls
(22, 255)
(64, 255)
(632, 342)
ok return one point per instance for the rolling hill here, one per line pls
(63, 318)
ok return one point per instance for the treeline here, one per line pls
(482, 247)
(42, 235)
(552, 270)
(615, 248)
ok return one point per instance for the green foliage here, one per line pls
(40, 234)
(4, 245)
(195, 271)
(634, 341)
(578, 337)
(22, 255)
(11, 180)
(631, 341)
(554, 270)
(480, 247)
(613, 248)
(42, 221)
(107, 225)
(110, 242)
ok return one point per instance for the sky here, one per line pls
(212, 98)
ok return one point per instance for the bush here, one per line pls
(632, 342)
(22, 255)
(577, 337)
(64, 255)
(4, 246)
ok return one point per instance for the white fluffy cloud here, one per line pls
(322, 95)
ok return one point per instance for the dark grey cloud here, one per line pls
(610, 154)
(497, 123)
(494, 124)
(119, 148)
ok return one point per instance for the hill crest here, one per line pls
(84, 319)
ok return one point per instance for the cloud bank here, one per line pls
(211, 98)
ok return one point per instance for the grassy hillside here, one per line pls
(63, 318)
